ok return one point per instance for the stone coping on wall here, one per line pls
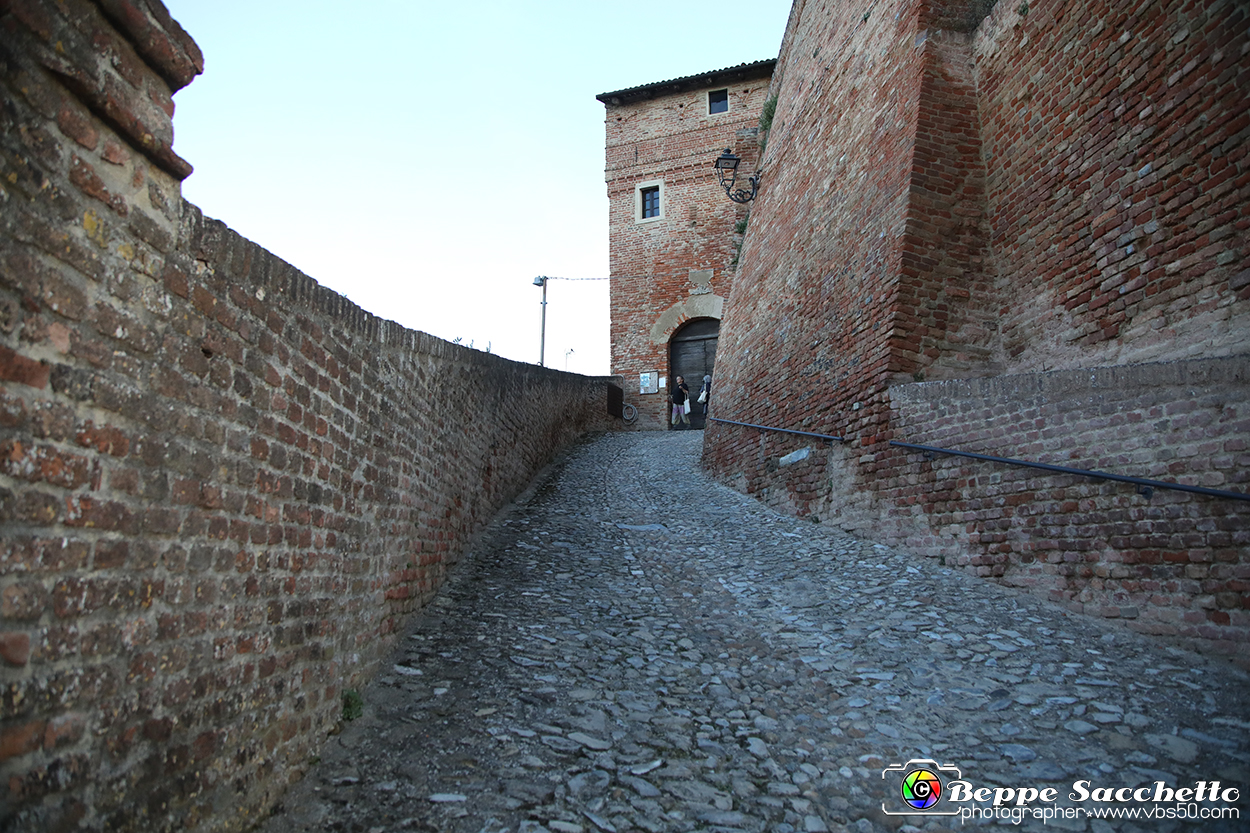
(213, 244)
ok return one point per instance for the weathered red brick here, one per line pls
(83, 175)
(15, 647)
(21, 370)
(75, 122)
(20, 740)
(23, 601)
(43, 464)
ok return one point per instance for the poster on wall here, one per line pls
(649, 382)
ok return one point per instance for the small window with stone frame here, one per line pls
(650, 202)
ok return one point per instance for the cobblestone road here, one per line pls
(634, 648)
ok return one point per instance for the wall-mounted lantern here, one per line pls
(727, 166)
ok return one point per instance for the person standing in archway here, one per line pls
(679, 398)
(705, 396)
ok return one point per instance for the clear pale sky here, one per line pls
(428, 160)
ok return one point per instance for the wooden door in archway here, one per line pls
(691, 354)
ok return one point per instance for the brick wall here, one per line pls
(222, 486)
(807, 336)
(670, 137)
(946, 318)
(1172, 563)
(1116, 135)
(1061, 187)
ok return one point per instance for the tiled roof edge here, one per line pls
(742, 72)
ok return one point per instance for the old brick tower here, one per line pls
(673, 231)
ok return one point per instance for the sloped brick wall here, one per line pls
(946, 324)
(810, 325)
(222, 486)
(1169, 563)
(1116, 138)
(1056, 186)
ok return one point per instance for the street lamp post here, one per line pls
(541, 280)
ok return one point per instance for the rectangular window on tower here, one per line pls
(718, 102)
(650, 202)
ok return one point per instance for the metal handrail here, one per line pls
(1145, 484)
(780, 430)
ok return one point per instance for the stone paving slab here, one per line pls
(633, 647)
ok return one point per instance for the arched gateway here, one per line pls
(691, 354)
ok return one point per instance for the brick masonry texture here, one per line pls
(671, 138)
(1024, 234)
(222, 487)
(1175, 563)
